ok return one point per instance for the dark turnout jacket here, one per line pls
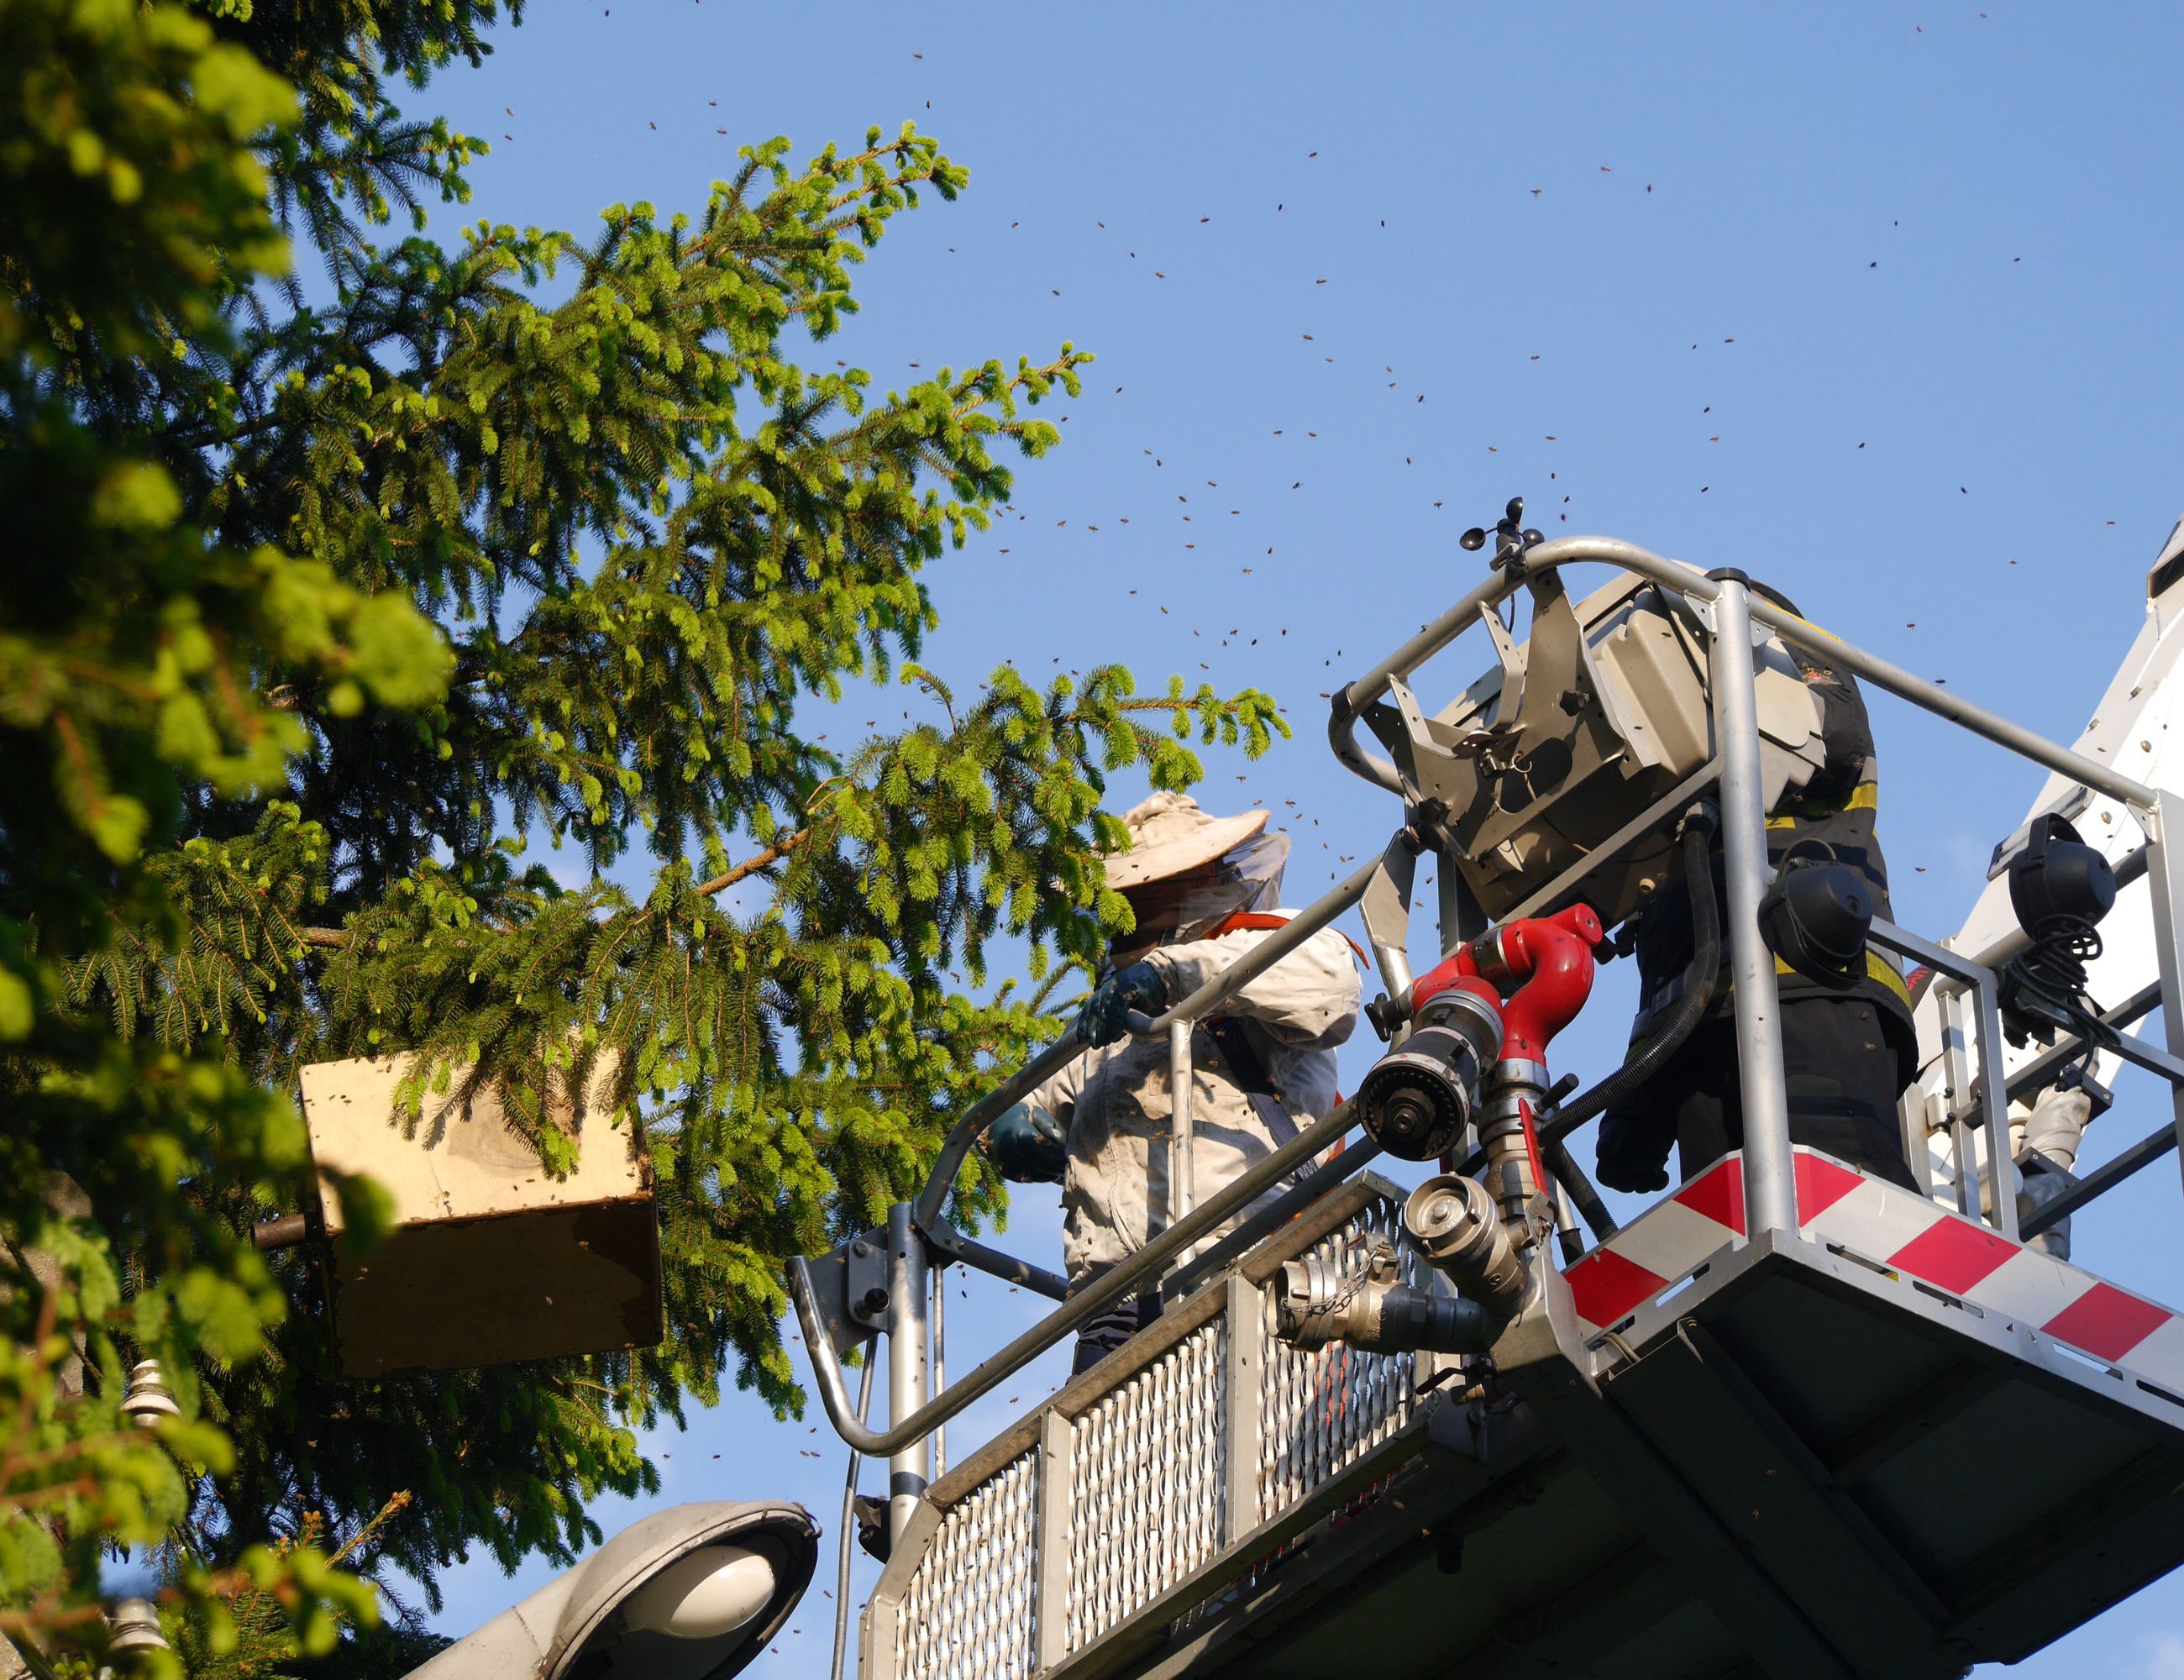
(1848, 1052)
(1829, 820)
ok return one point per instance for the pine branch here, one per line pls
(751, 865)
(338, 939)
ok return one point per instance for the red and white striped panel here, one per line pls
(1897, 1229)
(1662, 1246)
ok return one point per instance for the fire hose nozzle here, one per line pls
(1453, 1222)
(1416, 1101)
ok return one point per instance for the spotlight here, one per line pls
(2055, 873)
(2060, 887)
(1816, 917)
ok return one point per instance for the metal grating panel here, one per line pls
(966, 1612)
(1145, 1491)
(1149, 1473)
(1320, 1411)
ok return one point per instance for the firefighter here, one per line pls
(1848, 1052)
(1204, 891)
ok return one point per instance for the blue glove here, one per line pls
(1029, 1145)
(1139, 986)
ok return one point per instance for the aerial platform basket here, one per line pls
(1791, 1421)
(1891, 1444)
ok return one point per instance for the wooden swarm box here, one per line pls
(491, 1259)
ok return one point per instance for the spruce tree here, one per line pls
(324, 611)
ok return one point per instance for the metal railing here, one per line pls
(916, 1226)
(975, 1561)
(1967, 985)
(1148, 1487)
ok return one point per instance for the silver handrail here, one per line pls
(1770, 1193)
(1034, 1073)
(1682, 580)
(1730, 610)
(929, 1223)
(926, 1212)
(1110, 1286)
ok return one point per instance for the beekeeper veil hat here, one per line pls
(1184, 870)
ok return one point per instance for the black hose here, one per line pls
(1556, 1157)
(1697, 839)
(2043, 989)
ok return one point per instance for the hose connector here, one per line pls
(1452, 1220)
(1372, 1309)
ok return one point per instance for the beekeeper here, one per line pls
(1204, 890)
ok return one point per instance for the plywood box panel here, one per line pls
(491, 1259)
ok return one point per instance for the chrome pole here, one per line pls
(1182, 1181)
(1994, 1106)
(940, 1364)
(2165, 882)
(1769, 1183)
(844, 1540)
(909, 1468)
(1957, 1071)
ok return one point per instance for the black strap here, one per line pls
(1250, 1074)
(1245, 1067)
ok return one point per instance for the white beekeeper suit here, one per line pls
(1261, 1070)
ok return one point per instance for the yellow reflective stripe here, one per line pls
(1878, 968)
(1865, 797)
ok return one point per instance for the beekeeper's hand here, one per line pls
(1139, 986)
(1029, 1145)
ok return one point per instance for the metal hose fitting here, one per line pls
(1416, 1101)
(1452, 1220)
(1317, 1302)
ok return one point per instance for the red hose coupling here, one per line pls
(1541, 966)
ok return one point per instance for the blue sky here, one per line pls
(1871, 300)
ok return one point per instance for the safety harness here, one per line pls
(1245, 1066)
